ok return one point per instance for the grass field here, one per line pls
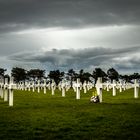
(47, 117)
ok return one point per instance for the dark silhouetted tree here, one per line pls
(72, 75)
(36, 74)
(2, 72)
(84, 76)
(113, 74)
(19, 74)
(56, 75)
(135, 76)
(7, 76)
(126, 78)
(98, 72)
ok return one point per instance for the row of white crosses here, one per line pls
(87, 86)
(114, 86)
(90, 85)
(6, 87)
(76, 85)
(6, 90)
(38, 85)
(64, 86)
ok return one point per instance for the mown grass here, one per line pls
(47, 117)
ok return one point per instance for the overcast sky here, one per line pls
(64, 34)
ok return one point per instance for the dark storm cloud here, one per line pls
(83, 58)
(24, 14)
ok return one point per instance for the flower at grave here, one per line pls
(95, 97)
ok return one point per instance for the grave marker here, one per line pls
(53, 86)
(114, 87)
(44, 86)
(38, 86)
(77, 85)
(136, 88)
(11, 87)
(99, 87)
(63, 86)
(85, 86)
(1, 88)
(6, 90)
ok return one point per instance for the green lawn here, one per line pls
(47, 117)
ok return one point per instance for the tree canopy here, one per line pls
(98, 72)
(2, 72)
(19, 74)
(56, 75)
(35, 74)
(113, 74)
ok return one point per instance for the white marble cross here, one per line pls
(11, 88)
(44, 86)
(28, 85)
(59, 85)
(78, 85)
(6, 90)
(85, 86)
(53, 86)
(22, 85)
(90, 85)
(38, 86)
(99, 87)
(136, 88)
(124, 85)
(25, 85)
(73, 86)
(68, 85)
(63, 87)
(120, 85)
(107, 85)
(1, 88)
(114, 87)
(33, 86)
(49, 86)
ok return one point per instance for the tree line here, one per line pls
(21, 74)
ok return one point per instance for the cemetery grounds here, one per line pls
(46, 117)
